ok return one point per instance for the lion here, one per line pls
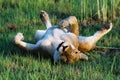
(62, 42)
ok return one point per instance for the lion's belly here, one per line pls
(52, 39)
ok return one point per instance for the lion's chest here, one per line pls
(52, 39)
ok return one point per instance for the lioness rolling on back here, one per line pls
(62, 42)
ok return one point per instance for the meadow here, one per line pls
(23, 16)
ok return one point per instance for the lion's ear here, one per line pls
(83, 56)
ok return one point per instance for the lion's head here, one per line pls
(70, 54)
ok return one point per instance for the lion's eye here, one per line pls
(76, 52)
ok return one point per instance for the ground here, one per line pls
(17, 64)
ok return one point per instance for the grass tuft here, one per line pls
(23, 16)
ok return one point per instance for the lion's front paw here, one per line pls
(18, 37)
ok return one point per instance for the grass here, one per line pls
(23, 16)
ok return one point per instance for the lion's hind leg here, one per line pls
(102, 31)
(70, 24)
(89, 43)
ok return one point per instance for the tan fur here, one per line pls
(84, 47)
(70, 55)
(89, 43)
(71, 50)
